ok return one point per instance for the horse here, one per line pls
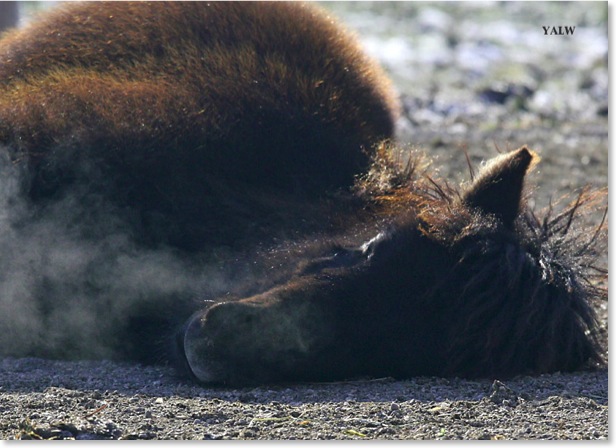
(213, 185)
(463, 282)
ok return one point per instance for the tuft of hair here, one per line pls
(521, 295)
(529, 307)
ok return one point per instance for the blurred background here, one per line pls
(475, 75)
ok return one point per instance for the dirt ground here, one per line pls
(471, 76)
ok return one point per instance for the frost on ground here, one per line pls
(104, 400)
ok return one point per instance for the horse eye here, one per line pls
(370, 247)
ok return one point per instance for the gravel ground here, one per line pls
(104, 400)
(472, 76)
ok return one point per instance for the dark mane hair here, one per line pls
(528, 303)
(557, 304)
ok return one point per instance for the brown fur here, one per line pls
(191, 109)
(251, 84)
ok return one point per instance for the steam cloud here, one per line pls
(72, 278)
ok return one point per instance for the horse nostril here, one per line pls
(248, 319)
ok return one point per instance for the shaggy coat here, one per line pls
(192, 112)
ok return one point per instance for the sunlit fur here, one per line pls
(523, 299)
(192, 111)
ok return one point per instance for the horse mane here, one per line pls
(528, 292)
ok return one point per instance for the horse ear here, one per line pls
(499, 186)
